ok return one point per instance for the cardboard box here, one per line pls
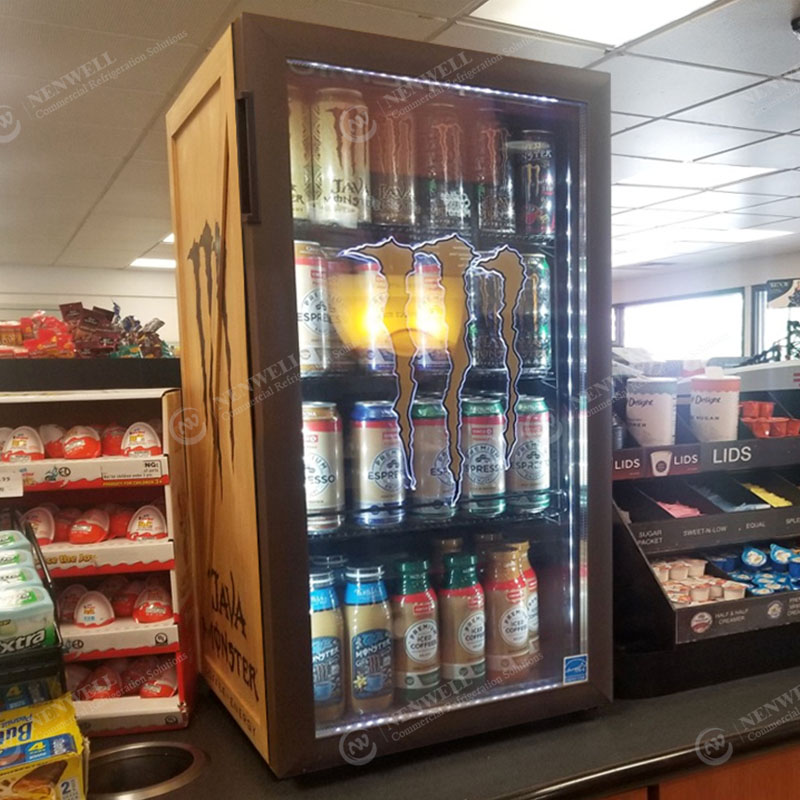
(43, 755)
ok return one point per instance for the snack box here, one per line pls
(42, 753)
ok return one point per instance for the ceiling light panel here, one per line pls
(692, 175)
(611, 23)
(154, 263)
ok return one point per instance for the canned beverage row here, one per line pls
(324, 310)
(379, 474)
(444, 165)
(377, 643)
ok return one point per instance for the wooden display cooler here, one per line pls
(229, 152)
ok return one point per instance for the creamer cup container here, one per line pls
(714, 408)
(650, 410)
(26, 619)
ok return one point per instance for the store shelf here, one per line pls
(105, 558)
(122, 715)
(686, 459)
(118, 639)
(420, 524)
(64, 374)
(56, 474)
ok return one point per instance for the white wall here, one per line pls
(727, 275)
(139, 292)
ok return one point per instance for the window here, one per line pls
(769, 323)
(697, 327)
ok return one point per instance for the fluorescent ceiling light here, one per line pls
(170, 239)
(731, 236)
(653, 217)
(613, 22)
(154, 263)
(635, 196)
(692, 175)
(713, 201)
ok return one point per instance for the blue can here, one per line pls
(379, 464)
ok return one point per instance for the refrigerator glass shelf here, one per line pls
(413, 711)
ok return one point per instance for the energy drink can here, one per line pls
(435, 485)
(529, 475)
(378, 464)
(483, 481)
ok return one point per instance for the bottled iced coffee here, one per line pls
(368, 624)
(441, 547)
(462, 619)
(507, 637)
(532, 584)
(483, 542)
(327, 632)
(416, 633)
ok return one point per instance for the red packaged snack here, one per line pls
(125, 599)
(141, 440)
(152, 605)
(93, 610)
(68, 600)
(53, 439)
(91, 527)
(111, 585)
(147, 523)
(43, 523)
(164, 684)
(139, 672)
(23, 445)
(63, 520)
(82, 441)
(111, 439)
(120, 519)
(102, 684)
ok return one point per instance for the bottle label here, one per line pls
(514, 626)
(472, 632)
(372, 664)
(533, 613)
(475, 671)
(326, 666)
(421, 641)
(417, 680)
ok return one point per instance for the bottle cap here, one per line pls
(413, 567)
(373, 572)
(320, 580)
(460, 561)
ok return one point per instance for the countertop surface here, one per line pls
(628, 743)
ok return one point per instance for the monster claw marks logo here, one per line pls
(355, 124)
(357, 748)
(9, 125)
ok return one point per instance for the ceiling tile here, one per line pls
(770, 106)
(154, 145)
(97, 256)
(352, 15)
(714, 201)
(792, 225)
(150, 19)
(789, 207)
(479, 37)
(443, 8)
(49, 52)
(654, 218)
(723, 222)
(781, 152)
(624, 167)
(658, 88)
(636, 196)
(691, 175)
(621, 122)
(682, 141)
(30, 250)
(779, 183)
(748, 35)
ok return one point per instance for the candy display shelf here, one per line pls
(126, 715)
(66, 560)
(113, 480)
(107, 472)
(121, 638)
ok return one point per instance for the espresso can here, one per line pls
(534, 172)
(340, 132)
(313, 322)
(323, 459)
(483, 445)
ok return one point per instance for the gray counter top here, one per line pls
(626, 744)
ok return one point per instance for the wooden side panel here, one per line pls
(767, 777)
(204, 182)
(636, 794)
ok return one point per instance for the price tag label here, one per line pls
(10, 482)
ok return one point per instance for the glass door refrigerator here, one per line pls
(393, 277)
